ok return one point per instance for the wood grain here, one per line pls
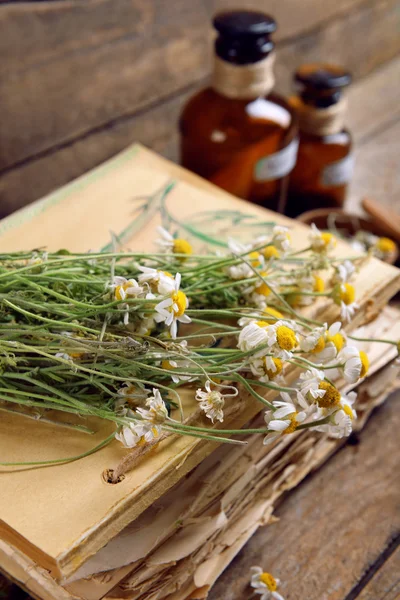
(385, 584)
(377, 173)
(373, 103)
(52, 97)
(34, 33)
(334, 526)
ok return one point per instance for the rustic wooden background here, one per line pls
(81, 79)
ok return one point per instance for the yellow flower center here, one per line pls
(319, 285)
(386, 245)
(262, 324)
(263, 288)
(255, 259)
(270, 252)
(319, 346)
(182, 247)
(179, 299)
(364, 363)
(337, 340)
(347, 409)
(331, 396)
(271, 312)
(278, 367)
(165, 364)
(269, 581)
(328, 239)
(293, 423)
(167, 273)
(119, 288)
(347, 293)
(286, 337)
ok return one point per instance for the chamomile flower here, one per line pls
(321, 241)
(267, 368)
(253, 335)
(156, 411)
(314, 341)
(131, 394)
(211, 402)
(172, 309)
(331, 397)
(309, 387)
(161, 282)
(137, 433)
(64, 356)
(259, 293)
(270, 253)
(145, 324)
(335, 340)
(284, 419)
(171, 365)
(38, 258)
(174, 245)
(265, 584)
(126, 288)
(130, 435)
(343, 272)
(341, 419)
(282, 338)
(344, 296)
(355, 364)
(384, 248)
(242, 270)
(281, 239)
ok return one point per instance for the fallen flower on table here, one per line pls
(265, 584)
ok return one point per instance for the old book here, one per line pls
(73, 512)
(181, 544)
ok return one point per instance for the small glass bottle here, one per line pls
(237, 133)
(325, 161)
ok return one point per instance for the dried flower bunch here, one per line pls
(118, 335)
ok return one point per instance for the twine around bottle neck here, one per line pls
(244, 81)
(320, 121)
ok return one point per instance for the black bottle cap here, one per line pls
(322, 77)
(237, 23)
(243, 36)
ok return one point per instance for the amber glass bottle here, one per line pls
(237, 133)
(324, 162)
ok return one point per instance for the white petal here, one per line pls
(184, 319)
(174, 329)
(276, 425)
(284, 411)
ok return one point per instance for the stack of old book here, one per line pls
(171, 524)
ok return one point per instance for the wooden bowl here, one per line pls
(349, 223)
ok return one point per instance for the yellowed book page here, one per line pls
(72, 512)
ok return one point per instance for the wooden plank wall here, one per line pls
(81, 79)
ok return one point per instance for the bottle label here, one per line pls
(338, 172)
(277, 165)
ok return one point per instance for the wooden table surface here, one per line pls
(338, 534)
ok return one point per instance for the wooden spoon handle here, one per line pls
(385, 218)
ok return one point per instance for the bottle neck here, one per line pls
(248, 81)
(320, 121)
